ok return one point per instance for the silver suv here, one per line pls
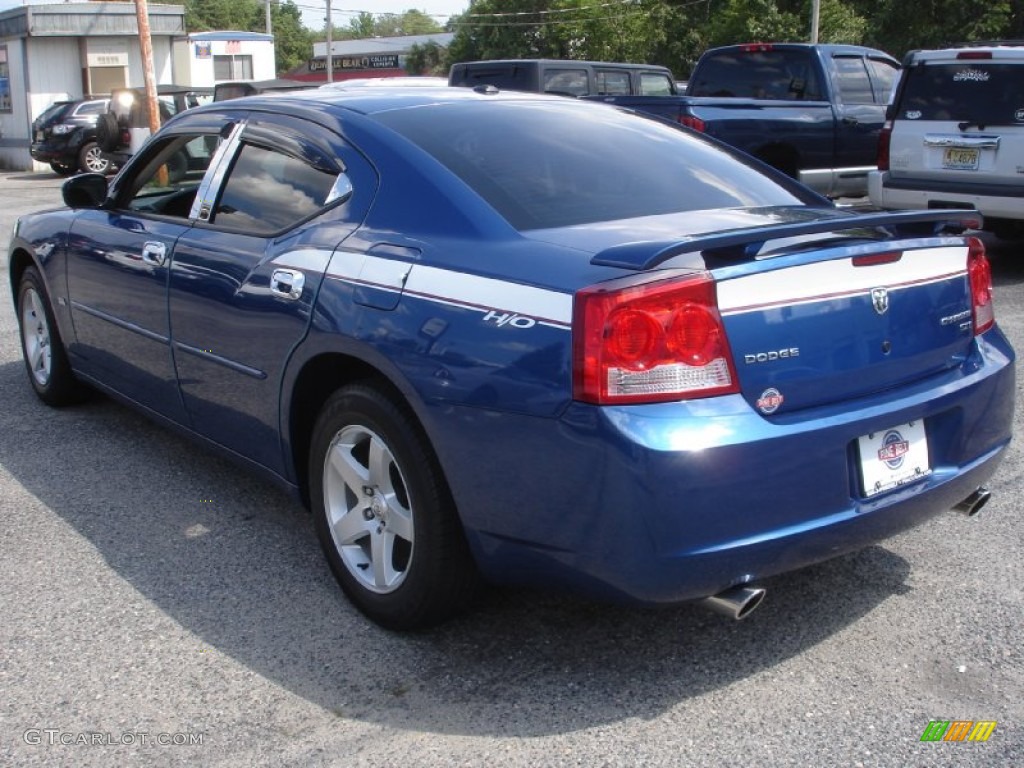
(954, 135)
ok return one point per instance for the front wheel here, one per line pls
(49, 371)
(384, 515)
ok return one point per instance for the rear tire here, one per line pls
(91, 159)
(384, 515)
(49, 371)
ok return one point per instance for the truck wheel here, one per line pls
(91, 159)
(384, 515)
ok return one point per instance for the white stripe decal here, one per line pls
(484, 293)
(309, 259)
(458, 289)
(827, 280)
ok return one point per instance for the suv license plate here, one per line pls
(893, 457)
(958, 159)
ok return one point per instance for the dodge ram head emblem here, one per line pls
(880, 300)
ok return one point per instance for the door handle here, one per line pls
(154, 253)
(287, 283)
(851, 121)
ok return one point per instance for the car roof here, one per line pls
(1013, 51)
(369, 99)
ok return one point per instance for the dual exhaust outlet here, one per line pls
(740, 601)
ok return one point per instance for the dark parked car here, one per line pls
(526, 338)
(65, 137)
(124, 127)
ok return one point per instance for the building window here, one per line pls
(5, 82)
(232, 68)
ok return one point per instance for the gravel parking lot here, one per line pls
(159, 606)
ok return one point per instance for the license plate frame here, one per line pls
(894, 457)
(961, 158)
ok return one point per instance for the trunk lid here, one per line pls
(855, 322)
(821, 306)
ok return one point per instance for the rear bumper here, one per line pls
(886, 192)
(678, 501)
(47, 152)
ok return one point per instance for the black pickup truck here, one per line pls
(812, 111)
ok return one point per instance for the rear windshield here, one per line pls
(55, 111)
(544, 165)
(983, 92)
(776, 74)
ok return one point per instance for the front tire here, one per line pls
(49, 371)
(384, 515)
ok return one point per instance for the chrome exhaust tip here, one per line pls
(972, 504)
(735, 602)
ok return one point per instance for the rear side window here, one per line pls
(567, 82)
(611, 83)
(91, 108)
(852, 80)
(652, 84)
(549, 164)
(268, 191)
(984, 92)
(775, 74)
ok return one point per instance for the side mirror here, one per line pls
(87, 190)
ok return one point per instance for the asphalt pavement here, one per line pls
(159, 606)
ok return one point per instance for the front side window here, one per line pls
(267, 191)
(166, 183)
(978, 91)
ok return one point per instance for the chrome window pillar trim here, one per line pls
(202, 206)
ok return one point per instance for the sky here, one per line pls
(314, 11)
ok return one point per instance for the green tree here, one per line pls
(427, 59)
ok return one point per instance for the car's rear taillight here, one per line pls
(884, 139)
(980, 273)
(692, 122)
(974, 55)
(756, 47)
(651, 341)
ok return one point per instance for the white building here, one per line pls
(207, 58)
(54, 52)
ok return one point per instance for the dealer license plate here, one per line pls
(893, 457)
(959, 159)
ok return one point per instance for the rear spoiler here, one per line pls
(740, 244)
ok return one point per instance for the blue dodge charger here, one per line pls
(524, 339)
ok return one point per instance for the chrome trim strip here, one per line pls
(965, 142)
(213, 358)
(121, 323)
(203, 204)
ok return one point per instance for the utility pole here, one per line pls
(148, 76)
(330, 56)
(269, 29)
(815, 16)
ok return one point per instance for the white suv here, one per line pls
(954, 135)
